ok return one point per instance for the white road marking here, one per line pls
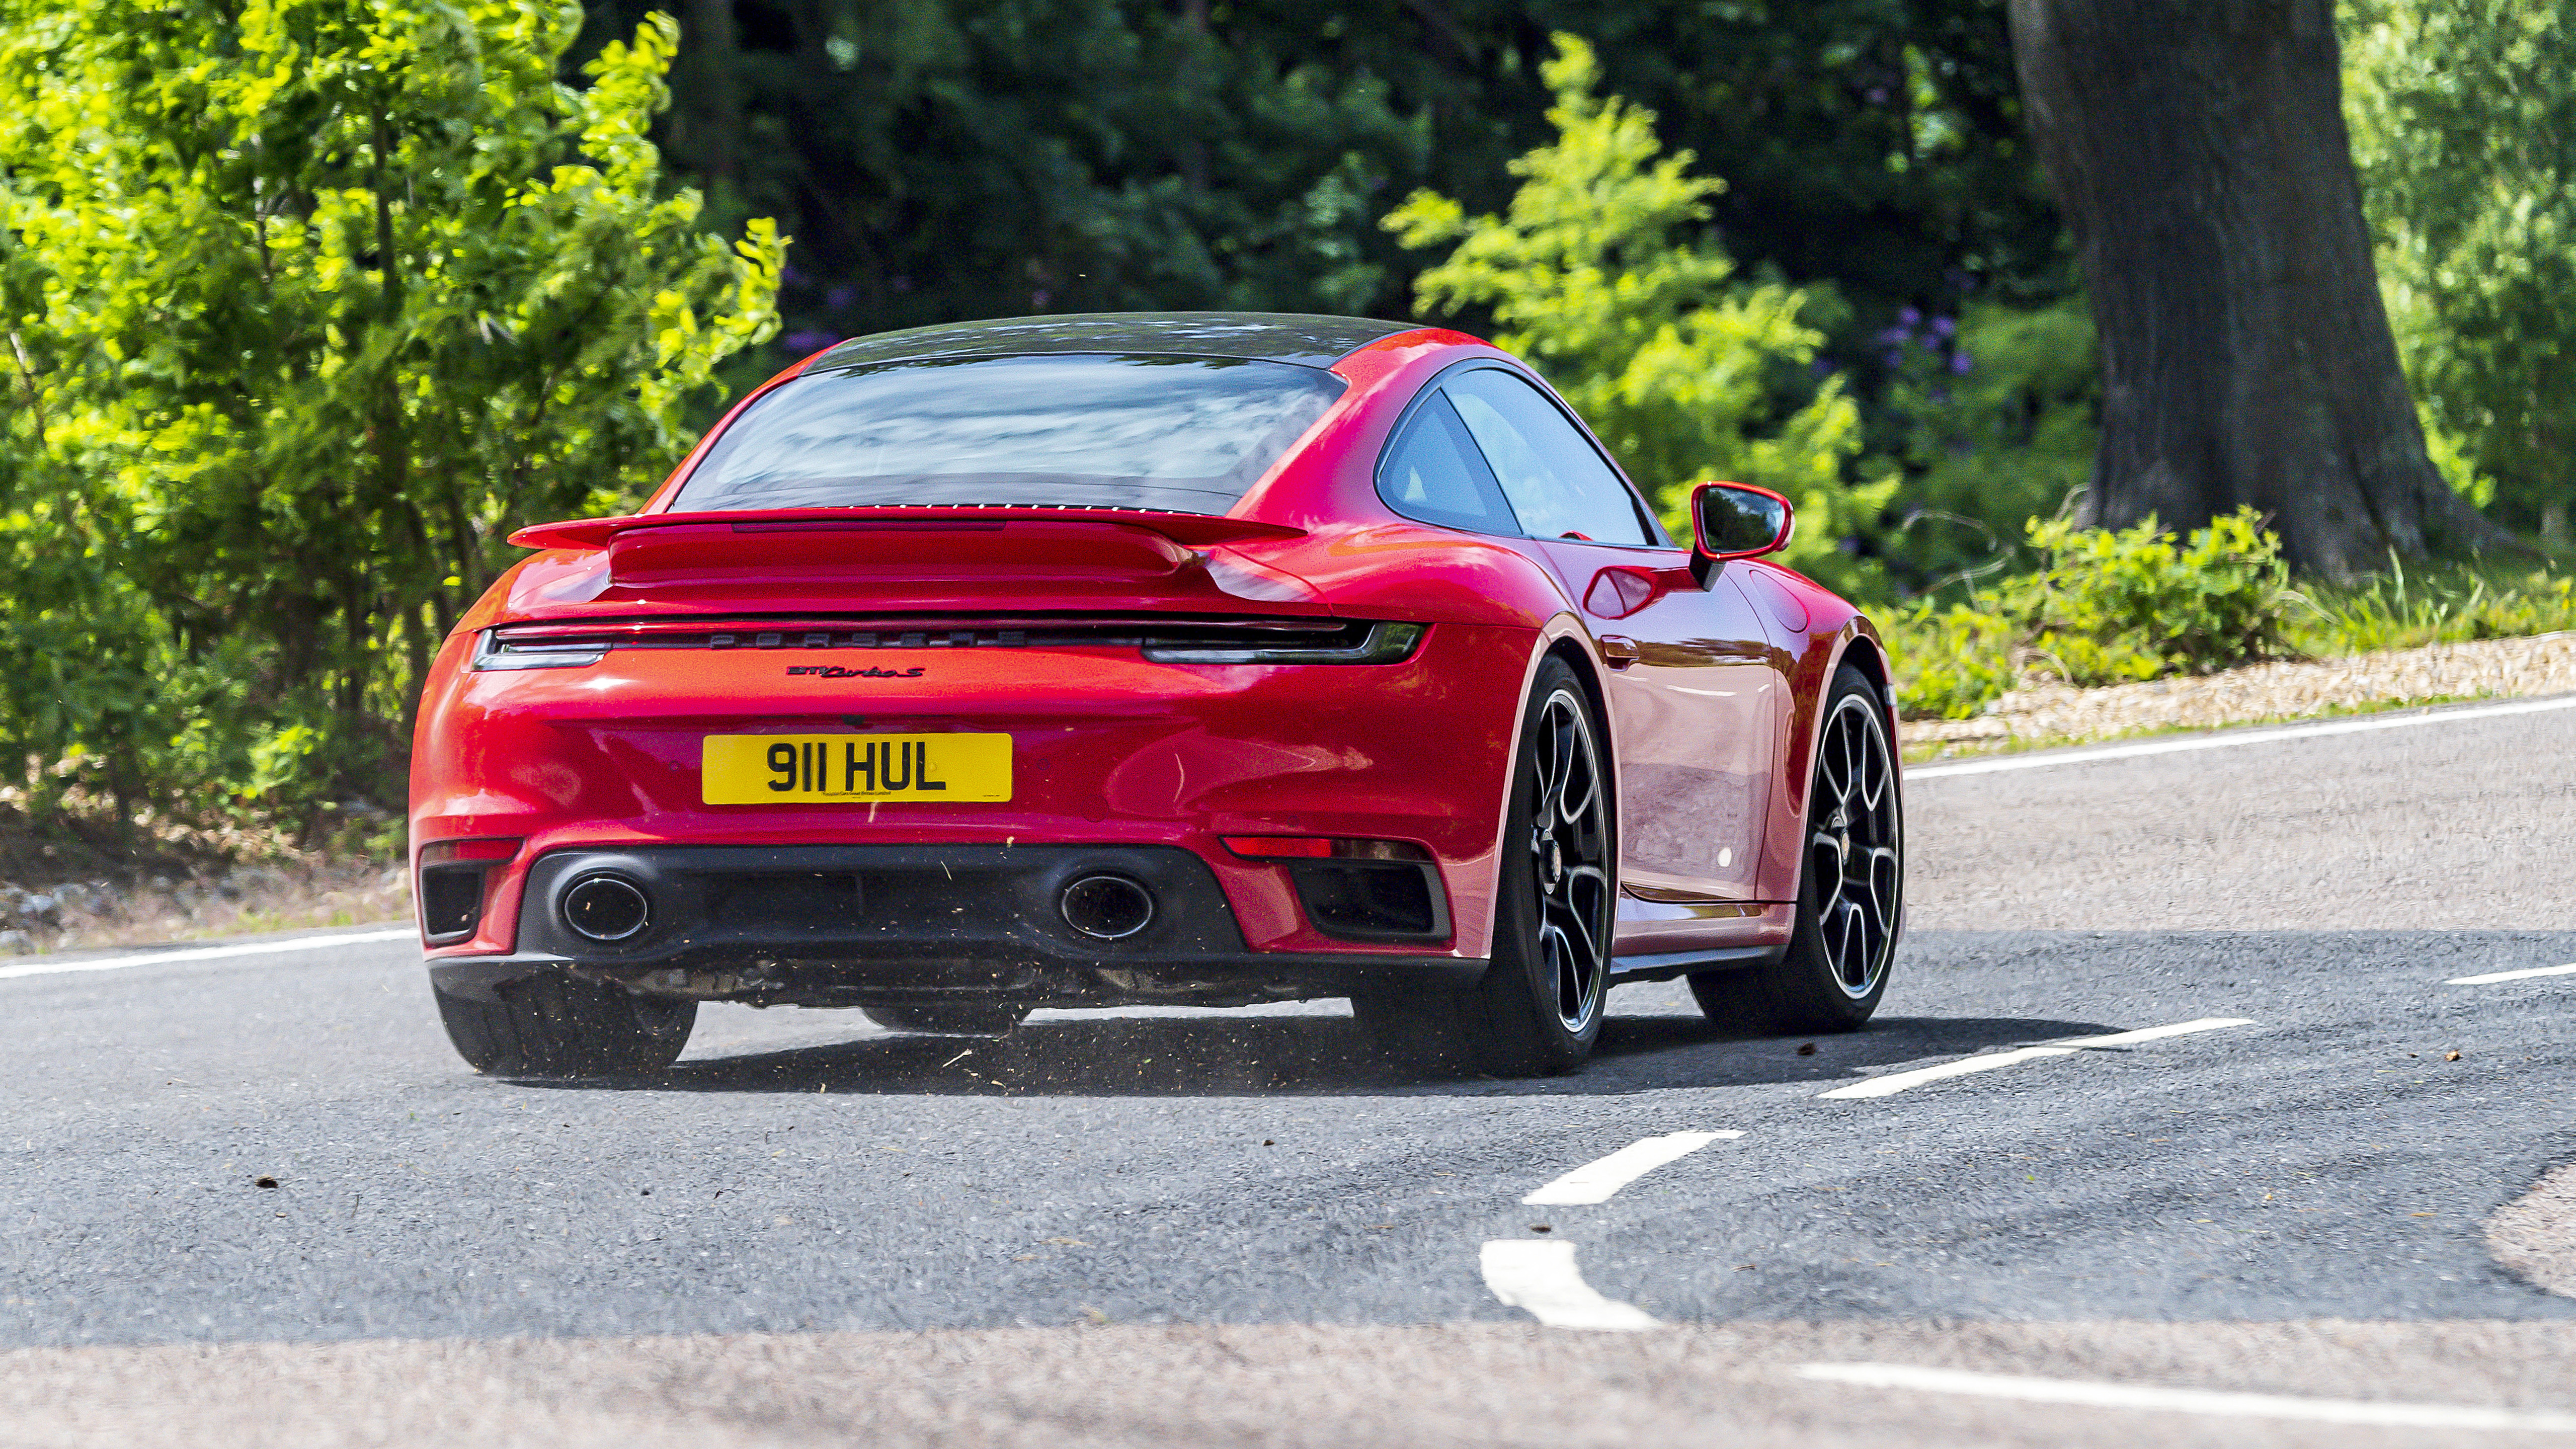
(205, 953)
(1895, 1082)
(1595, 1181)
(1541, 1279)
(2511, 975)
(2234, 738)
(2218, 1403)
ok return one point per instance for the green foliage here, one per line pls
(2461, 112)
(2106, 607)
(944, 159)
(309, 304)
(2114, 605)
(1996, 419)
(1686, 372)
(1950, 660)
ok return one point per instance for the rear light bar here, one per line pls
(1166, 641)
(455, 885)
(1381, 644)
(1321, 847)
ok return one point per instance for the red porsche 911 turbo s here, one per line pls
(1197, 659)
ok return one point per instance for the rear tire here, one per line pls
(958, 1018)
(1851, 886)
(558, 1025)
(1537, 1010)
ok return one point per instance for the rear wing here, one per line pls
(1190, 530)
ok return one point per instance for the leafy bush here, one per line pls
(308, 304)
(2460, 113)
(1995, 415)
(2105, 607)
(1597, 274)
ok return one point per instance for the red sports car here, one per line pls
(1200, 658)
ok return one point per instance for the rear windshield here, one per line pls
(1184, 434)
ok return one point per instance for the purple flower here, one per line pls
(1910, 317)
(840, 297)
(1895, 359)
(1895, 337)
(1945, 327)
(1039, 298)
(791, 276)
(1960, 362)
(1875, 95)
(809, 340)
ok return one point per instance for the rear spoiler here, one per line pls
(1186, 529)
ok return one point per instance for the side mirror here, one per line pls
(1736, 520)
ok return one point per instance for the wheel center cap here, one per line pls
(1552, 858)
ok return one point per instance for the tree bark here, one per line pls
(2198, 150)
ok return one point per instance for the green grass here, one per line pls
(2410, 608)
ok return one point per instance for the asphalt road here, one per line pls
(1190, 1228)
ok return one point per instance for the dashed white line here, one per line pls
(205, 953)
(2235, 738)
(1895, 1082)
(1596, 1181)
(2569, 970)
(2211, 1402)
(1541, 1279)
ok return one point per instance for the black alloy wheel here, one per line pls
(1851, 891)
(558, 1025)
(1537, 1011)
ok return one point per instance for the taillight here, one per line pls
(1358, 644)
(455, 883)
(493, 651)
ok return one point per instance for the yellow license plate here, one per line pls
(764, 769)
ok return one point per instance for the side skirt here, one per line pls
(1665, 965)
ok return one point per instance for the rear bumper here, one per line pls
(856, 925)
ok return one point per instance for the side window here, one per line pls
(1436, 474)
(1557, 484)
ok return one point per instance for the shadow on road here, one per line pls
(1317, 1055)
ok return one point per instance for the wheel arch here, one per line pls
(1564, 639)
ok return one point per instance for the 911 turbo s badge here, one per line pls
(843, 671)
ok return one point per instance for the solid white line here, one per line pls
(2213, 1402)
(1541, 1278)
(2152, 1033)
(1595, 1181)
(205, 953)
(2233, 738)
(2511, 975)
(1895, 1082)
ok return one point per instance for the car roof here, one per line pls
(1267, 336)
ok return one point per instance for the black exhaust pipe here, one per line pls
(606, 907)
(1107, 907)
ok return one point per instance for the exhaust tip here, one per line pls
(606, 908)
(1107, 907)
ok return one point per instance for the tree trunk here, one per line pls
(2198, 150)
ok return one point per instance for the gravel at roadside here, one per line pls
(2487, 668)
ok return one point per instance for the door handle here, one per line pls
(1617, 650)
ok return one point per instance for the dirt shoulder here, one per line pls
(60, 891)
(2258, 693)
